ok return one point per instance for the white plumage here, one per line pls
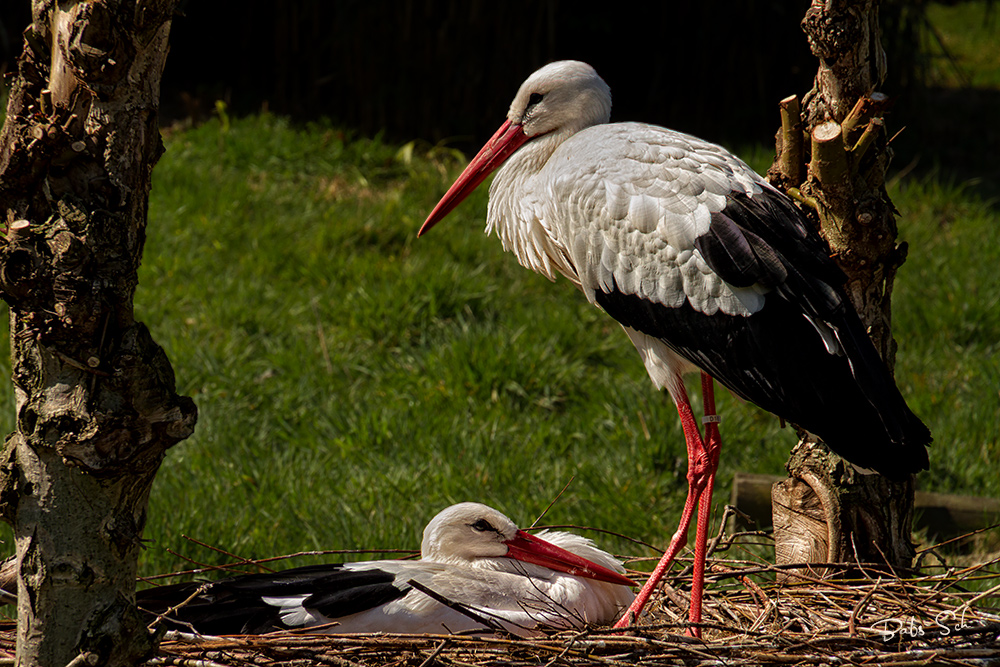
(603, 223)
(471, 555)
(520, 597)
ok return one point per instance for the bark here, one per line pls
(827, 511)
(95, 397)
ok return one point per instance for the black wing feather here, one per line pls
(235, 605)
(740, 257)
(775, 357)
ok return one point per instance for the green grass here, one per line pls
(970, 31)
(353, 380)
(947, 323)
(450, 373)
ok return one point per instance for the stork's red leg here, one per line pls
(698, 476)
(713, 443)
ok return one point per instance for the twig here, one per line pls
(985, 594)
(436, 653)
(241, 559)
(867, 137)
(460, 608)
(159, 617)
(960, 537)
(182, 662)
(84, 659)
(859, 609)
(569, 645)
(558, 496)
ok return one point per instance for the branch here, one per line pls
(790, 159)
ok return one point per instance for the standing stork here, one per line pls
(706, 266)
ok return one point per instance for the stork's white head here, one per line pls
(554, 103)
(476, 535)
(465, 532)
(564, 96)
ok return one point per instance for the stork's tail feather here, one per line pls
(849, 400)
(207, 613)
(907, 433)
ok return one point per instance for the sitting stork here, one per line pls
(477, 572)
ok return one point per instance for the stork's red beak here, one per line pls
(531, 549)
(507, 139)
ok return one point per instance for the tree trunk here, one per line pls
(827, 511)
(95, 396)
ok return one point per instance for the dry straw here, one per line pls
(851, 614)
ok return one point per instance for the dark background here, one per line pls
(438, 69)
(447, 69)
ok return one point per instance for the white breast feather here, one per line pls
(523, 221)
(621, 205)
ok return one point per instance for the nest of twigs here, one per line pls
(754, 614)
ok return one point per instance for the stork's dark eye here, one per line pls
(534, 99)
(483, 526)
